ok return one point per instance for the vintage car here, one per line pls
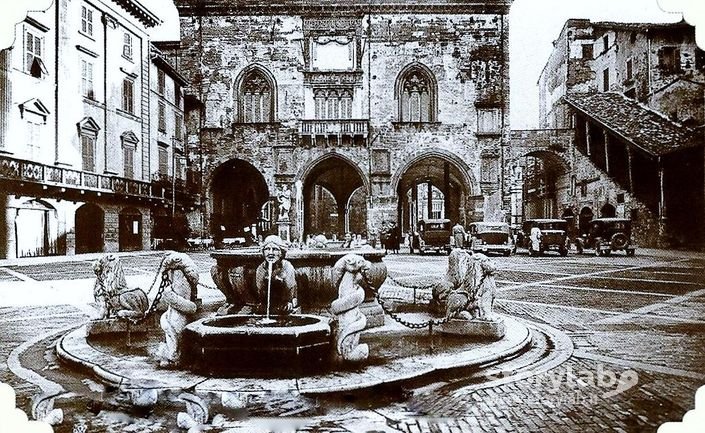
(554, 236)
(607, 235)
(486, 237)
(433, 235)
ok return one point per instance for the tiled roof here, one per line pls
(634, 122)
(641, 26)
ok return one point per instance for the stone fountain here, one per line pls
(269, 336)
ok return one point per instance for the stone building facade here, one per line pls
(626, 101)
(354, 112)
(75, 143)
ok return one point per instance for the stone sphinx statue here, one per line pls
(348, 274)
(283, 297)
(180, 301)
(111, 293)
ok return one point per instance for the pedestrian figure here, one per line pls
(458, 235)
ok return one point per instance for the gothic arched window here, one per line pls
(416, 93)
(257, 97)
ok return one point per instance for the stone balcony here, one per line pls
(20, 175)
(336, 127)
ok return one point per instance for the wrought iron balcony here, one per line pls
(336, 127)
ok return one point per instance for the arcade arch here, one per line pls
(335, 197)
(237, 196)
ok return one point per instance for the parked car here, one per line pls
(433, 235)
(487, 237)
(554, 235)
(607, 235)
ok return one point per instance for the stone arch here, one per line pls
(255, 86)
(90, 228)
(416, 79)
(433, 184)
(236, 194)
(36, 229)
(445, 155)
(327, 185)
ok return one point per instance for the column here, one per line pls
(5, 95)
(588, 141)
(446, 189)
(607, 151)
(629, 168)
(415, 204)
(429, 199)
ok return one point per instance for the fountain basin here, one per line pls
(234, 274)
(244, 345)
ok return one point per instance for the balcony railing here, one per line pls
(19, 170)
(338, 127)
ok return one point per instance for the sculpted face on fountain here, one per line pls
(283, 296)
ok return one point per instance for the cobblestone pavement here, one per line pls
(637, 320)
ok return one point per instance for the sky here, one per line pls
(534, 24)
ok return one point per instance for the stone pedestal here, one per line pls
(489, 329)
(284, 230)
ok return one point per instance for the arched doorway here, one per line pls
(238, 194)
(608, 211)
(130, 229)
(432, 187)
(36, 229)
(584, 219)
(569, 216)
(543, 173)
(90, 220)
(335, 197)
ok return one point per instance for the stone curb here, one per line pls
(74, 350)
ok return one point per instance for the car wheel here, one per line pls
(630, 253)
(607, 252)
(564, 252)
(507, 253)
(619, 241)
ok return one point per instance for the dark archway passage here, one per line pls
(90, 221)
(335, 198)
(238, 193)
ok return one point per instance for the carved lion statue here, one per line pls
(349, 274)
(458, 261)
(474, 298)
(111, 293)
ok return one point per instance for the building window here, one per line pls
(489, 120)
(34, 135)
(87, 20)
(416, 93)
(127, 46)
(587, 51)
(606, 80)
(177, 95)
(88, 153)
(605, 43)
(163, 160)
(333, 103)
(87, 79)
(669, 59)
(128, 95)
(178, 121)
(162, 117)
(88, 134)
(632, 38)
(179, 166)
(128, 161)
(161, 82)
(257, 96)
(629, 70)
(33, 55)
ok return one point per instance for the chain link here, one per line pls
(409, 324)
